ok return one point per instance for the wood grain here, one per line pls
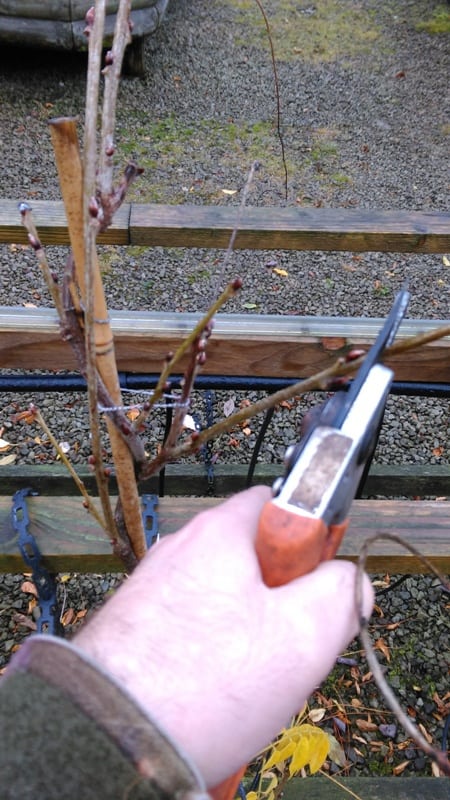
(258, 345)
(71, 541)
(260, 228)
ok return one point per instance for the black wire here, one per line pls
(262, 432)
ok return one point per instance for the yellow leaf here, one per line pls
(283, 273)
(319, 755)
(446, 261)
(301, 755)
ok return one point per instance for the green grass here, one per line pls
(321, 31)
(438, 24)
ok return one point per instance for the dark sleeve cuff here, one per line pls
(67, 679)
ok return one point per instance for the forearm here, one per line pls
(70, 731)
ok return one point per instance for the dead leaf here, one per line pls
(29, 588)
(64, 447)
(228, 406)
(4, 445)
(446, 261)
(366, 725)
(437, 451)
(400, 767)
(283, 273)
(381, 645)
(68, 617)
(316, 714)
(246, 431)
(425, 733)
(8, 459)
(229, 191)
(24, 621)
(132, 414)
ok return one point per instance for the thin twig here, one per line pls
(411, 729)
(229, 251)
(173, 359)
(33, 414)
(51, 279)
(277, 95)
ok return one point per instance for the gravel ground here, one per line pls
(366, 124)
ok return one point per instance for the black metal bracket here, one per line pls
(44, 581)
(150, 520)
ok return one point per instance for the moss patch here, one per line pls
(168, 149)
(439, 23)
(321, 31)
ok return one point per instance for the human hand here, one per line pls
(219, 660)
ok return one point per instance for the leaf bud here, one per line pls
(93, 207)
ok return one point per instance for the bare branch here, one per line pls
(113, 68)
(436, 755)
(51, 279)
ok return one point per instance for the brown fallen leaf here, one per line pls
(400, 767)
(29, 588)
(381, 645)
(366, 725)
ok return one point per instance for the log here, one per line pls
(241, 344)
(260, 228)
(70, 540)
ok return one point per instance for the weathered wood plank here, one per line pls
(291, 228)
(384, 788)
(51, 223)
(71, 540)
(389, 480)
(258, 345)
(260, 228)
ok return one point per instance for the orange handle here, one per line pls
(287, 546)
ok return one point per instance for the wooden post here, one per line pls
(68, 161)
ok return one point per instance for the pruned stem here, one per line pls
(411, 729)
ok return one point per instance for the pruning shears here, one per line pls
(305, 521)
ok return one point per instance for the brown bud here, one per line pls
(109, 58)
(107, 472)
(92, 459)
(236, 284)
(201, 359)
(352, 355)
(110, 150)
(93, 207)
(126, 430)
(35, 243)
(55, 277)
